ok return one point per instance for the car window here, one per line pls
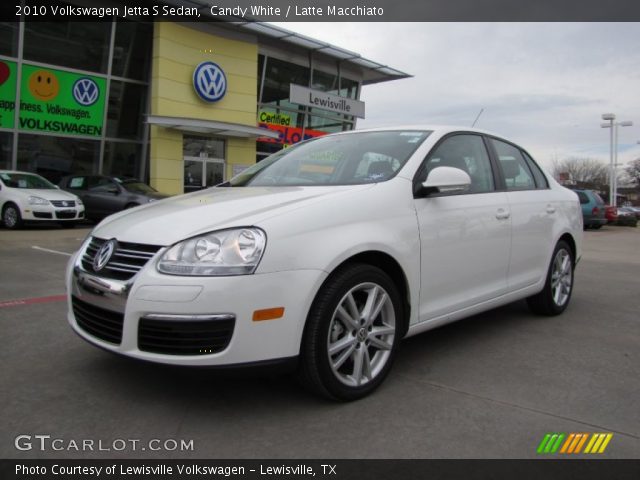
(77, 183)
(26, 180)
(598, 198)
(350, 159)
(538, 176)
(517, 175)
(468, 153)
(583, 198)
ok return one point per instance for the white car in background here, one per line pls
(328, 253)
(29, 197)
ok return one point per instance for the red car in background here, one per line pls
(611, 213)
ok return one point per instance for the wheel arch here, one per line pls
(567, 237)
(391, 267)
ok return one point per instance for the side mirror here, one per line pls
(445, 180)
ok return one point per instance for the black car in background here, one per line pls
(103, 195)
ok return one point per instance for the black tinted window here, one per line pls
(517, 175)
(583, 198)
(468, 153)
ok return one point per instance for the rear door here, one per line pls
(533, 214)
(465, 238)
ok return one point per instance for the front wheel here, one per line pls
(11, 216)
(554, 297)
(352, 333)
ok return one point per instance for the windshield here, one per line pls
(351, 159)
(26, 180)
(137, 187)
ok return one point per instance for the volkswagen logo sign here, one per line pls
(209, 82)
(86, 91)
(104, 254)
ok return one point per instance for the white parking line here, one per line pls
(35, 247)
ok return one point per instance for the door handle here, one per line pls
(502, 214)
(551, 209)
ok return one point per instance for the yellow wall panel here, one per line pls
(177, 50)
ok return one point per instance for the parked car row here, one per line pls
(28, 197)
(595, 213)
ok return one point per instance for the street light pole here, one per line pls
(613, 153)
(610, 117)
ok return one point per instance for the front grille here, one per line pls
(184, 337)
(127, 260)
(63, 203)
(66, 215)
(42, 215)
(98, 322)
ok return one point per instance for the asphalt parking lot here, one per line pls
(488, 387)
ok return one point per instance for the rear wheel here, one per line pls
(554, 297)
(11, 216)
(597, 227)
(352, 333)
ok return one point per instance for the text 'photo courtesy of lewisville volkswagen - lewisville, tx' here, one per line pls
(375, 239)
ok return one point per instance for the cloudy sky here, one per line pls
(542, 85)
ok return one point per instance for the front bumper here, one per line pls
(33, 213)
(151, 295)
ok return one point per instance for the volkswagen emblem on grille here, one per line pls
(104, 254)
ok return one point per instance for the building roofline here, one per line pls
(373, 72)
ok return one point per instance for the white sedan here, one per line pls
(29, 197)
(325, 255)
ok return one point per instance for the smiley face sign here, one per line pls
(4, 72)
(44, 85)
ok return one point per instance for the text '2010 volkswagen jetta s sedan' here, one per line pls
(328, 253)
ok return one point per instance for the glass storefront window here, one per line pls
(132, 50)
(122, 159)
(325, 82)
(6, 146)
(81, 45)
(348, 88)
(278, 76)
(326, 124)
(203, 147)
(55, 157)
(9, 39)
(126, 109)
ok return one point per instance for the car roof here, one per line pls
(440, 129)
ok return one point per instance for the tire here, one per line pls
(131, 205)
(597, 227)
(364, 345)
(68, 224)
(556, 294)
(11, 216)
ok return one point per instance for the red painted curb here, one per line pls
(30, 301)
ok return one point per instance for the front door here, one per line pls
(465, 238)
(204, 162)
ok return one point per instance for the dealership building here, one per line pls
(182, 105)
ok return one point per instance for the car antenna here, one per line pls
(479, 113)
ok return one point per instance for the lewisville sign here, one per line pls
(325, 101)
(52, 100)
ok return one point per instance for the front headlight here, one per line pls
(227, 252)
(38, 201)
(79, 202)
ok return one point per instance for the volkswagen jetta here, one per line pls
(328, 253)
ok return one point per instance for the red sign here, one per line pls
(288, 135)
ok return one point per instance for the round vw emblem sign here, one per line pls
(85, 92)
(209, 82)
(104, 254)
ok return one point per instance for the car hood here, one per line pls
(46, 193)
(173, 219)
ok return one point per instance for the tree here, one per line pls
(632, 171)
(584, 171)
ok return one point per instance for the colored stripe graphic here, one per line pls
(574, 443)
